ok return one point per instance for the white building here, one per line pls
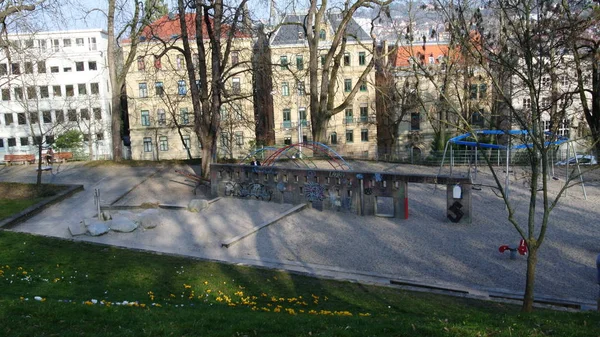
(53, 82)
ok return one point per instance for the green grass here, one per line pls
(9, 207)
(185, 297)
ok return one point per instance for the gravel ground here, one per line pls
(424, 248)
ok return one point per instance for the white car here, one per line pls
(582, 159)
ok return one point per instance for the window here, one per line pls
(157, 62)
(49, 139)
(482, 90)
(56, 90)
(162, 117)
(3, 69)
(94, 88)
(44, 93)
(477, 118)
(47, 117)
(18, 92)
(31, 92)
(187, 143)
(564, 80)
(21, 118)
(81, 89)
(143, 87)
(346, 59)
(322, 34)
(147, 144)
(287, 118)
(236, 86)
(67, 69)
(92, 43)
(285, 89)
(185, 117)
(545, 82)
(86, 137)
(67, 42)
(347, 85)
(362, 58)
(364, 113)
(180, 62)
(72, 115)
(526, 103)
(141, 65)
(8, 119)
(69, 90)
(302, 116)
(60, 116)
(55, 45)
(28, 68)
(159, 89)
(283, 61)
(349, 116)
(1, 143)
(79, 42)
(239, 138)
(473, 91)
(364, 135)
(349, 136)
(235, 57)
(92, 65)
(431, 59)
(28, 43)
(6, 94)
(24, 141)
(300, 86)
(333, 138)
(12, 142)
(34, 117)
(79, 66)
(225, 140)
(97, 113)
(99, 136)
(85, 114)
(363, 86)
(42, 44)
(163, 143)
(415, 121)
(299, 62)
(54, 69)
(322, 60)
(145, 118)
(181, 88)
(41, 65)
(15, 69)
(287, 141)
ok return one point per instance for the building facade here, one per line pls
(161, 115)
(351, 132)
(53, 82)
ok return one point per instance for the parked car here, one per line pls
(582, 159)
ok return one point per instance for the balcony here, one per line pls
(292, 125)
(359, 120)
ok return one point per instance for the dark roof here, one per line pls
(294, 34)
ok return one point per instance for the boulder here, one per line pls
(78, 229)
(122, 224)
(149, 218)
(96, 227)
(196, 205)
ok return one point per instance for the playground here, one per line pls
(425, 251)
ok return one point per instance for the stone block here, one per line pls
(149, 218)
(96, 227)
(78, 229)
(122, 224)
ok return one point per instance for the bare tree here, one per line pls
(518, 38)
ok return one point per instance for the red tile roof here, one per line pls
(421, 52)
(168, 27)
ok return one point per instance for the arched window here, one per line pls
(322, 34)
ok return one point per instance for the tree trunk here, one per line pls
(208, 149)
(530, 279)
(116, 88)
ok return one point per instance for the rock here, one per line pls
(196, 205)
(149, 218)
(105, 215)
(96, 227)
(78, 229)
(122, 224)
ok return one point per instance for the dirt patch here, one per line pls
(27, 191)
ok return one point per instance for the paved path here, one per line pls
(425, 249)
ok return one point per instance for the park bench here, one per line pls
(19, 158)
(62, 156)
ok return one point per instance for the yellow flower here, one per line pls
(172, 295)
(277, 310)
(205, 282)
(187, 286)
(364, 314)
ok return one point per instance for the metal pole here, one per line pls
(598, 276)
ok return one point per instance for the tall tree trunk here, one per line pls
(116, 88)
(530, 279)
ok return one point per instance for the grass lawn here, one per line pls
(15, 197)
(55, 287)
(52, 287)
